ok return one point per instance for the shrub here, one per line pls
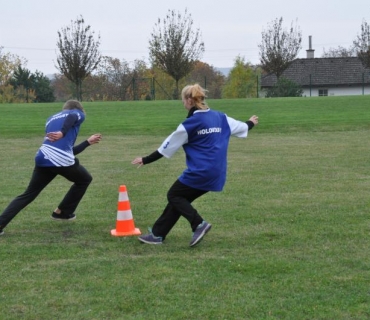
(285, 88)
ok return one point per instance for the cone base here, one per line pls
(135, 232)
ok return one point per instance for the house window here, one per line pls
(323, 92)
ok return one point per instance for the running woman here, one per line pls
(56, 156)
(204, 136)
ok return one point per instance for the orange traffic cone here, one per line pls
(125, 224)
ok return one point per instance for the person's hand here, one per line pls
(254, 119)
(138, 161)
(95, 138)
(54, 136)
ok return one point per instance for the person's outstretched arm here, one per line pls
(95, 138)
(148, 159)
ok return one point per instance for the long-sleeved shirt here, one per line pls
(61, 153)
(204, 136)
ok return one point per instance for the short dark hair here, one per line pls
(73, 104)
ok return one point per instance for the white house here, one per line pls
(324, 76)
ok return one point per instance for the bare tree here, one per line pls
(339, 52)
(279, 47)
(79, 54)
(362, 44)
(175, 46)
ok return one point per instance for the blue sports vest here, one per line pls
(59, 153)
(206, 150)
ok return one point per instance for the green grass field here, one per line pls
(290, 235)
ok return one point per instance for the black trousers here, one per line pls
(41, 177)
(180, 197)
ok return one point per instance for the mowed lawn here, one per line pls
(290, 235)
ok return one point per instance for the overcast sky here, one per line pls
(229, 28)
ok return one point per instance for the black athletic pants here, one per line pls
(180, 197)
(41, 177)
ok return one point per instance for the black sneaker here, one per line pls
(63, 216)
(1, 232)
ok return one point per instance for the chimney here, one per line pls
(310, 51)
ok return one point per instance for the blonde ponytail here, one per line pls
(197, 94)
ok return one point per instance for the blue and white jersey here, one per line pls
(59, 153)
(205, 138)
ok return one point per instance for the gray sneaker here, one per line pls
(150, 238)
(1, 232)
(200, 232)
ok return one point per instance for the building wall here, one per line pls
(350, 91)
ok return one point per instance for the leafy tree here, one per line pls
(164, 83)
(8, 64)
(79, 53)
(175, 47)
(241, 82)
(129, 82)
(7, 94)
(339, 52)
(62, 87)
(95, 88)
(117, 75)
(284, 88)
(112, 81)
(362, 44)
(279, 47)
(23, 95)
(140, 88)
(207, 76)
